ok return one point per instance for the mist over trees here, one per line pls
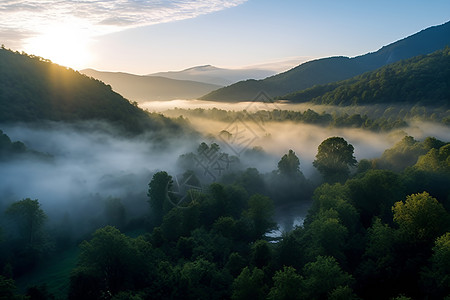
(102, 200)
(369, 236)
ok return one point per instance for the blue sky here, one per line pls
(149, 36)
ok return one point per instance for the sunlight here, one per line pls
(64, 46)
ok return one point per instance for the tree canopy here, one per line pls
(334, 159)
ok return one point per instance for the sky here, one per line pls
(143, 37)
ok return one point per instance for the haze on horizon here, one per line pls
(148, 37)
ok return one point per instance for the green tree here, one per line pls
(436, 160)
(249, 285)
(334, 159)
(203, 280)
(159, 186)
(421, 217)
(403, 154)
(261, 254)
(109, 263)
(323, 276)
(30, 219)
(235, 264)
(7, 288)
(289, 165)
(374, 194)
(287, 285)
(328, 235)
(439, 273)
(260, 214)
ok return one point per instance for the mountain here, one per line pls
(214, 75)
(326, 70)
(423, 80)
(151, 88)
(33, 89)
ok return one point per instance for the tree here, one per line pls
(323, 276)
(260, 214)
(435, 161)
(286, 285)
(30, 219)
(439, 274)
(421, 217)
(374, 194)
(159, 186)
(334, 159)
(249, 285)
(328, 235)
(261, 253)
(289, 165)
(109, 263)
(7, 288)
(203, 280)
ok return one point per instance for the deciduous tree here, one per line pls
(334, 159)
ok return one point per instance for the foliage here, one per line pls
(289, 165)
(33, 89)
(377, 235)
(334, 159)
(110, 262)
(323, 276)
(286, 285)
(7, 288)
(249, 284)
(421, 217)
(29, 217)
(406, 152)
(158, 194)
(364, 117)
(419, 80)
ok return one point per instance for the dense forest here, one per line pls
(33, 89)
(376, 229)
(374, 118)
(169, 213)
(331, 69)
(422, 80)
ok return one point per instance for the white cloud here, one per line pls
(95, 17)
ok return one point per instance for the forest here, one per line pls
(123, 203)
(421, 79)
(376, 229)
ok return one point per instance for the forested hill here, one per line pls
(423, 80)
(34, 89)
(327, 70)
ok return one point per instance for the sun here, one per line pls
(65, 46)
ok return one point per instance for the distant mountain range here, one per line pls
(331, 69)
(217, 76)
(423, 79)
(151, 88)
(33, 90)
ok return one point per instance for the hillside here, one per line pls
(214, 75)
(423, 80)
(327, 70)
(151, 88)
(33, 89)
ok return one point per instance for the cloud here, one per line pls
(96, 17)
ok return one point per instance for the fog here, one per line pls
(88, 166)
(276, 138)
(89, 163)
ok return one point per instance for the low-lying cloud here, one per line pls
(87, 166)
(91, 164)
